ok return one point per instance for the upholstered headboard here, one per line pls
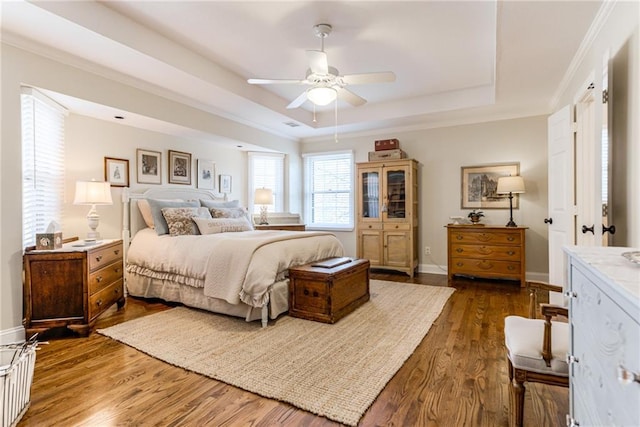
(132, 218)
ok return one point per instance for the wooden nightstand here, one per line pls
(289, 227)
(70, 287)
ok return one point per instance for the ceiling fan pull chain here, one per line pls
(335, 135)
(314, 113)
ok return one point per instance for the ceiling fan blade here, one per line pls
(350, 97)
(366, 78)
(318, 62)
(272, 81)
(298, 101)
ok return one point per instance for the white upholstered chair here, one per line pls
(536, 349)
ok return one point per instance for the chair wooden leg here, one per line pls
(517, 398)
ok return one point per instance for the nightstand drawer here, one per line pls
(104, 299)
(100, 257)
(104, 277)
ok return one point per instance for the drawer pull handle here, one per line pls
(511, 268)
(626, 376)
(459, 237)
(117, 251)
(117, 270)
(99, 279)
(511, 253)
(99, 302)
(306, 292)
(99, 258)
(370, 227)
(459, 264)
(459, 250)
(511, 238)
(116, 291)
(397, 226)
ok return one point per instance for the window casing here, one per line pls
(328, 195)
(42, 163)
(266, 170)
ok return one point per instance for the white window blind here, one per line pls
(329, 190)
(266, 170)
(42, 163)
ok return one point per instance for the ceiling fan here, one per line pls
(326, 82)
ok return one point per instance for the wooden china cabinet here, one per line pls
(387, 214)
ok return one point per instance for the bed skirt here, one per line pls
(147, 287)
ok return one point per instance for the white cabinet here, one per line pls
(604, 313)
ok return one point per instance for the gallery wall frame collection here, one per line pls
(479, 185)
(179, 167)
(149, 166)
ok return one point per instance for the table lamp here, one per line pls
(93, 193)
(264, 197)
(510, 185)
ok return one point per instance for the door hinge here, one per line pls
(574, 127)
(605, 96)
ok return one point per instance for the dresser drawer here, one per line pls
(397, 227)
(506, 253)
(102, 278)
(370, 226)
(495, 237)
(102, 300)
(486, 267)
(104, 256)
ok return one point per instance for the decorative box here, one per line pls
(48, 241)
(387, 144)
(387, 155)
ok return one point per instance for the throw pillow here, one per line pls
(145, 210)
(160, 224)
(219, 204)
(180, 220)
(222, 225)
(228, 212)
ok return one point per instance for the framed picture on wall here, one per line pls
(225, 184)
(479, 185)
(206, 174)
(179, 167)
(149, 166)
(116, 171)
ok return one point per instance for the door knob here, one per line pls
(548, 220)
(611, 229)
(585, 229)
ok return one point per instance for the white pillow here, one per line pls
(222, 225)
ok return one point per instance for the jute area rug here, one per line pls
(335, 371)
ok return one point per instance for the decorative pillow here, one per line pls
(222, 225)
(157, 205)
(145, 210)
(180, 220)
(217, 204)
(228, 212)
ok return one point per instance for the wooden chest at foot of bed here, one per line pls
(328, 293)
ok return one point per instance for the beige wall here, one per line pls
(441, 153)
(89, 141)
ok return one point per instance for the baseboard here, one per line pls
(438, 269)
(432, 269)
(13, 335)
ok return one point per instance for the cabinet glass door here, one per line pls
(396, 193)
(370, 194)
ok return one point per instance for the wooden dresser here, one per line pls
(70, 287)
(494, 252)
(604, 349)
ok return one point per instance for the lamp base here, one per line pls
(263, 215)
(511, 224)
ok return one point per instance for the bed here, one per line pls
(238, 273)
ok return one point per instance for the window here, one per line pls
(329, 190)
(42, 163)
(266, 170)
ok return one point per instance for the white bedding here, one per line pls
(233, 267)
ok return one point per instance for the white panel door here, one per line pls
(561, 219)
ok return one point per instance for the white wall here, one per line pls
(90, 140)
(441, 153)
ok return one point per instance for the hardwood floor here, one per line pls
(456, 377)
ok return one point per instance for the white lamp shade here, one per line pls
(322, 95)
(263, 196)
(92, 193)
(510, 184)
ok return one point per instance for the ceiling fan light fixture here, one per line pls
(322, 95)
